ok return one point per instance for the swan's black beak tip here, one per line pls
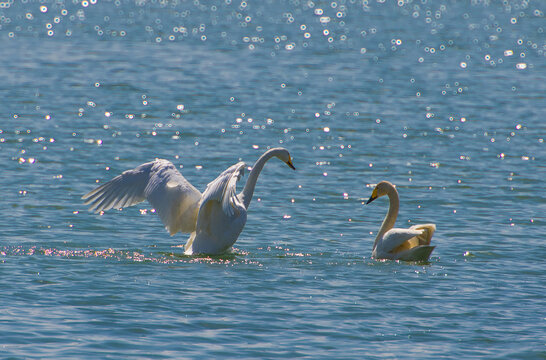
(289, 163)
(370, 200)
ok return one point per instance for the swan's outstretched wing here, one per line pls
(224, 189)
(172, 196)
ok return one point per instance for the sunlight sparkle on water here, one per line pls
(441, 97)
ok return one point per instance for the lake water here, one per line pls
(446, 99)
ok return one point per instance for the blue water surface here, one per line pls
(446, 99)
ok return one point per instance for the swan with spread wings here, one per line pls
(214, 218)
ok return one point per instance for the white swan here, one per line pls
(411, 244)
(215, 218)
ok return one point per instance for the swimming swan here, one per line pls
(411, 244)
(215, 218)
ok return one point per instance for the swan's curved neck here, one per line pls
(392, 214)
(248, 191)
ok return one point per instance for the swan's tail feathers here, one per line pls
(426, 235)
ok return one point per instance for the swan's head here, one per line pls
(283, 155)
(381, 189)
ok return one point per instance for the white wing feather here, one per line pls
(396, 237)
(126, 189)
(224, 189)
(426, 236)
(172, 196)
(222, 214)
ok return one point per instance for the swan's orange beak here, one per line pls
(289, 163)
(373, 197)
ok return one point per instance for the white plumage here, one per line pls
(215, 218)
(411, 244)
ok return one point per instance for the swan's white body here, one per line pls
(411, 244)
(215, 218)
